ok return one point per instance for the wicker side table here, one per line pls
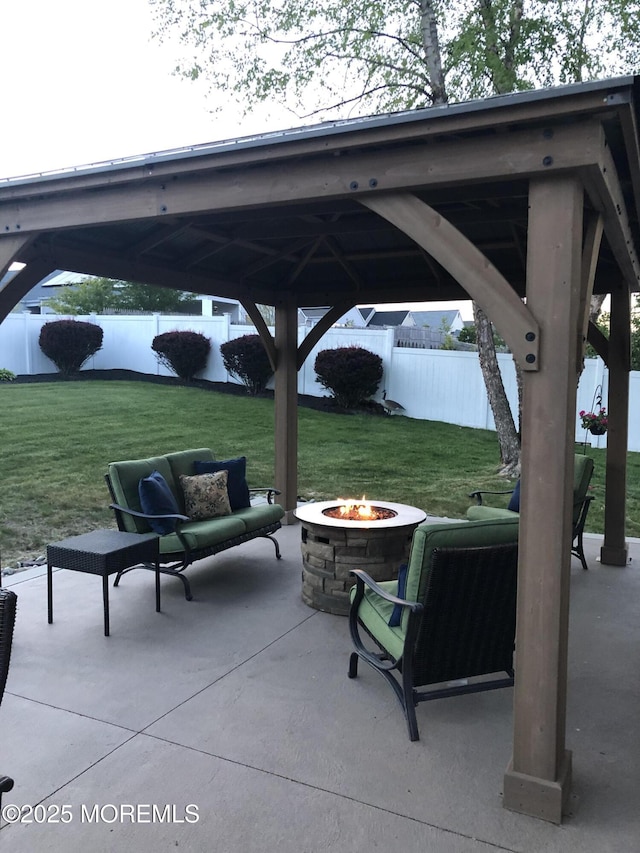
(102, 552)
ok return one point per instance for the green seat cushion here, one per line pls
(258, 516)
(203, 534)
(486, 513)
(374, 613)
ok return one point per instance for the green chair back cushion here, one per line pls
(125, 477)
(459, 534)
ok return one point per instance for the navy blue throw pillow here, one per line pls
(514, 503)
(156, 498)
(396, 616)
(236, 480)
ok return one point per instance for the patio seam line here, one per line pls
(228, 672)
(80, 773)
(75, 713)
(143, 730)
(332, 793)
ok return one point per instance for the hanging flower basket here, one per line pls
(595, 422)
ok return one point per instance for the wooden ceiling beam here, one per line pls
(602, 184)
(156, 238)
(513, 155)
(116, 266)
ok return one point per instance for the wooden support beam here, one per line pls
(263, 330)
(614, 550)
(602, 184)
(323, 325)
(598, 341)
(538, 780)
(113, 265)
(11, 292)
(590, 252)
(482, 281)
(286, 407)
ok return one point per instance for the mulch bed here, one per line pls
(321, 404)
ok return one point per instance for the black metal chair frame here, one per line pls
(459, 632)
(8, 600)
(174, 567)
(577, 545)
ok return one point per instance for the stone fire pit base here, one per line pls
(331, 548)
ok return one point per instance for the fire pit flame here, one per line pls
(351, 509)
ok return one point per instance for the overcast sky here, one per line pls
(83, 82)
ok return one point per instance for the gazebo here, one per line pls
(526, 203)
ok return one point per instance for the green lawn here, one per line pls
(58, 437)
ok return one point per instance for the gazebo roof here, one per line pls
(280, 213)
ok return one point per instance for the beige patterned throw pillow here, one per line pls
(205, 495)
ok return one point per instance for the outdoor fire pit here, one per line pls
(341, 535)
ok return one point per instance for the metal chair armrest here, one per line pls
(137, 514)
(270, 490)
(478, 494)
(363, 579)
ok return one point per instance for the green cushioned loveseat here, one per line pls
(191, 540)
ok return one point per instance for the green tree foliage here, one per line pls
(69, 343)
(351, 374)
(183, 352)
(89, 296)
(102, 295)
(327, 57)
(147, 297)
(247, 360)
(467, 335)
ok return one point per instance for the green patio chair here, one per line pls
(447, 625)
(582, 473)
(8, 600)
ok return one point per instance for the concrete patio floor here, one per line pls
(238, 703)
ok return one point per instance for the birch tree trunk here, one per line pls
(502, 415)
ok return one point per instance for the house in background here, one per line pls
(440, 320)
(450, 321)
(35, 299)
(355, 318)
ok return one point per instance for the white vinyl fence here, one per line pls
(439, 385)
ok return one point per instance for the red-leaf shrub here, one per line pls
(185, 353)
(247, 360)
(69, 343)
(352, 374)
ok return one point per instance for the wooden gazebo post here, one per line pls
(614, 549)
(538, 779)
(286, 405)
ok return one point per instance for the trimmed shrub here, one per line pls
(6, 375)
(69, 343)
(247, 360)
(352, 374)
(186, 353)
